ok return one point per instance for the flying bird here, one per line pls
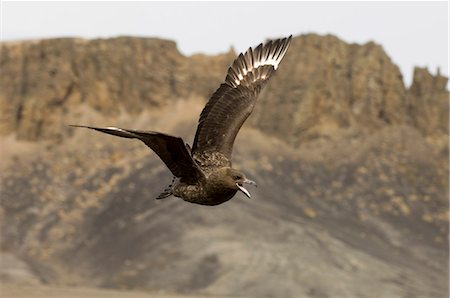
(203, 174)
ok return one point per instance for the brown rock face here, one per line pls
(42, 81)
(326, 84)
(428, 102)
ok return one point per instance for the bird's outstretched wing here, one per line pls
(172, 150)
(233, 102)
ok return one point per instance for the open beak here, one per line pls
(245, 191)
(241, 188)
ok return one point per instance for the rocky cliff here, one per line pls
(351, 166)
(326, 84)
(43, 81)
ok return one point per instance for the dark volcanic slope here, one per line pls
(352, 198)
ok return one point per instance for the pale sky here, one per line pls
(412, 33)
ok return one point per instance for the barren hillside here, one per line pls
(352, 172)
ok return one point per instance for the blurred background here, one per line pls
(348, 143)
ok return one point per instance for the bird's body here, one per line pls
(204, 174)
(207, 192)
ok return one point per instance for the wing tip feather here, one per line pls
(265, 54)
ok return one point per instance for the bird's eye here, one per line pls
(237, 177)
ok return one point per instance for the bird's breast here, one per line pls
(203, 194)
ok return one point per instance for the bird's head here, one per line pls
(236, 180)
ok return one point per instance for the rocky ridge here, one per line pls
(326, 85)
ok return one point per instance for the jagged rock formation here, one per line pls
(351, 166)
(428, 100)
(42, 81)
(326, 84)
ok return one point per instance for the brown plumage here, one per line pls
(204, 175)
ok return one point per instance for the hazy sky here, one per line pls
(412, 33)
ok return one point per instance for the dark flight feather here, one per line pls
(233, 102)
(172, 150)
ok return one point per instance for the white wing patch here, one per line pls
(269, 54)
(125, 131)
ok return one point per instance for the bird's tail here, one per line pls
(167, 192)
